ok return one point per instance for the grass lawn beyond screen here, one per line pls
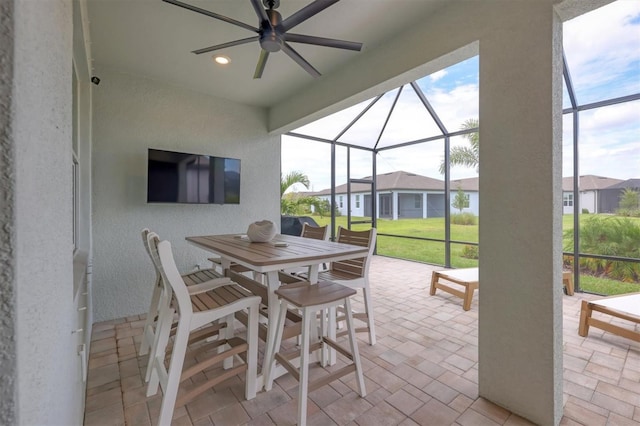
(433, 251)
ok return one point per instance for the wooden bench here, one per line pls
(625, 307)
(468, 279)
(567, 282)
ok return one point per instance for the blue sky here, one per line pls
(603, 54)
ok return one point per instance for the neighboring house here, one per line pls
(591, 190)
(402, 195)
(609, 200)
(470, 187)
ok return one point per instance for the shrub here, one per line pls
(630, 199)
(470, 252)
(463, 219)
(612, 236)
(628, 212)
(585, 211)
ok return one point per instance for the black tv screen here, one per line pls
(178, 177)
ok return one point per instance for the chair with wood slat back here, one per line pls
(192, 278)
(315, 232)
(195, 307)
(290, 276)
(197, 282)
(354, 273)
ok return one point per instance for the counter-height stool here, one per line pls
(311, 299)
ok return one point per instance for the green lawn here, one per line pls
(433, 251)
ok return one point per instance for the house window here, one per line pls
(357, 201)
(466, 201)
(417, 201)
(567, 200)
(340, 198)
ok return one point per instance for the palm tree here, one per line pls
(291, 179)
(289, 205)
(468, 156)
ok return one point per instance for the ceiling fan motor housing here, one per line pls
(271, 38)
(271, 4)
(273, 33)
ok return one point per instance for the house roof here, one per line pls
(589, 182)
(468, 184)
(399, 180)
(629, 183)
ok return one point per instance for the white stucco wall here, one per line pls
(132, 114)
(520, 310)
(588, 201)
(46, 363)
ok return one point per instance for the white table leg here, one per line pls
(225, 263)
(273, 309)
(313, 273)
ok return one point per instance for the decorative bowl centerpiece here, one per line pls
(261, 232)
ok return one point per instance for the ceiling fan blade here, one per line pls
(306, 13)
(213, 15)
(322, 41)
(225, 45)
(300, 60)
(262, 61)
(262, 14)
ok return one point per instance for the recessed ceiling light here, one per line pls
(222, 60)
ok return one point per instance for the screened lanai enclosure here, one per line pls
(407, 161)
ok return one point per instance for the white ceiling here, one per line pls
(154, 39)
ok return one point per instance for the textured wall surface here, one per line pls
(520, 310)
(7, 229)
(132, 114)
(47, 361)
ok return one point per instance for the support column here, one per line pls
(394, 205)
(424, 205)
(520, 312)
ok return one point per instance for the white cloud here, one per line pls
(438, 75)
(602, 47)
(456, 106)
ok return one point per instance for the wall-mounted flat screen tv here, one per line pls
(178, 177)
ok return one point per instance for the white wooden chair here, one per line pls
(289, 276)
(354, 273)
(149, 335)
(196, 307)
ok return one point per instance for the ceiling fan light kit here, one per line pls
(273, 35)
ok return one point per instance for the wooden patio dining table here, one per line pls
(282, 252)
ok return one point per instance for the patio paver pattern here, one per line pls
(422, 371)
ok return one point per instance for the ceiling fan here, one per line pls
(273, 34)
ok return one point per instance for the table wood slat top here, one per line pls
(266, 255)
